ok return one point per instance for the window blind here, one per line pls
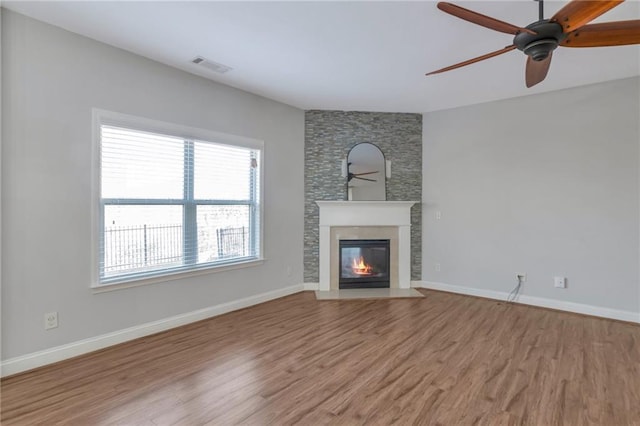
(170, 204)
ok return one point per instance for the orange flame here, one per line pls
(360, 268)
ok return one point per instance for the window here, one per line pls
(170, 203)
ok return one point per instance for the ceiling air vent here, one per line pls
(213, 66)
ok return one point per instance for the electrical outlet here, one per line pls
(522, 277)
(50, 320)
(437, 266)
(438, 215)
(288, 271)
(560, 282)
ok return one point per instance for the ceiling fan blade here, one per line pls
(617, 33)
(580, 12)
(474, 60)
(536, 71)
(370, 180)
(479, 19)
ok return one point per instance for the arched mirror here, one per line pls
(366, 173)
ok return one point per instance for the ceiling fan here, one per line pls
(357, 175)
(569, 27)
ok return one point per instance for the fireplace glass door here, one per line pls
(364, 264)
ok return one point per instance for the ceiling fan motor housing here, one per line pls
(538, 46)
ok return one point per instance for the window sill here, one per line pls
(137, 282)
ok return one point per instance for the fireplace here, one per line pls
(364, 264)
(364, 220)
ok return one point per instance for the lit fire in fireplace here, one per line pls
(360, 268)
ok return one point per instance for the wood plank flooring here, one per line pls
(440, 360)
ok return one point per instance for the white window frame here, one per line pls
(103, 117)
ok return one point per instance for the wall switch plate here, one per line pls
(437, 266)
(438, 215)
(50, 320)
(560, 282)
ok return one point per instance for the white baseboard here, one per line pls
(59, 353)
(538, 301)
(311, 286)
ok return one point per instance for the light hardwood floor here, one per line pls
(443, 359)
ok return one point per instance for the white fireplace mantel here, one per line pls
(395, 214)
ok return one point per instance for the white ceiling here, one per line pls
(365, 56)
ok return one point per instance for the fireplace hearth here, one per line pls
(364, 264)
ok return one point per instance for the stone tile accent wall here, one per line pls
(329, 135)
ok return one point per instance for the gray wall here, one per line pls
(51, 80)
(329, 135)
(545, 185)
